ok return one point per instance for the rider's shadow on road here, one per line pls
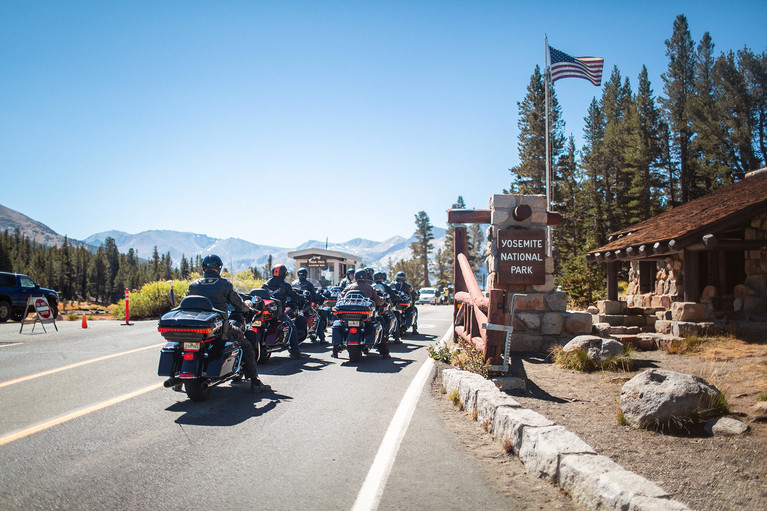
(286, 365)
(227, 410)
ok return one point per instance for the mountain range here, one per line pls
(238, 254)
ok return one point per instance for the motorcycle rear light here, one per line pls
(185, 375)
(352, 330)
(188, 356)
(168, 330)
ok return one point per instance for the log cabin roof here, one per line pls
(685, 225)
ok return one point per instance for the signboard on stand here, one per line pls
(521, 256)
(43, 313)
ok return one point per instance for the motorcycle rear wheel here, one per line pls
(195, 391)
(355, 353)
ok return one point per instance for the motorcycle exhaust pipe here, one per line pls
(171, 382)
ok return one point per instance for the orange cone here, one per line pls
(85, 322)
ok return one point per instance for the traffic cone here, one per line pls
(85, 322)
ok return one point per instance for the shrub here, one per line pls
(440, 352)
(578, 360)
(153, 299)
(468, 358)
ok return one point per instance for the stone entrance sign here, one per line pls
(521, 256)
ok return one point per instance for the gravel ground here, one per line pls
(706, 473)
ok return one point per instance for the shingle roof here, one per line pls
(706, 215)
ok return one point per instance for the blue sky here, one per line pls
(282, 121)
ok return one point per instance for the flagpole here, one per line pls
(548, 158)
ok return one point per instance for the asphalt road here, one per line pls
(85, 424)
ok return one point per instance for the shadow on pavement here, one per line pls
(227, 406)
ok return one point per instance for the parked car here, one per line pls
(15, 290)
(429, 295)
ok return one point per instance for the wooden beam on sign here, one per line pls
(553, 218)
(468, 216)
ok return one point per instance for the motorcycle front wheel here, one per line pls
(195, 390)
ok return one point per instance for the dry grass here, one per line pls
(578, 360)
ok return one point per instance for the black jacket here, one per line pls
(281, 290)
(218, 290)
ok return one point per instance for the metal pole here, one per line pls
(548, 158)
(507, 347)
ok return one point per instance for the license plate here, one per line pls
(192, 346)
(354, 323)
(256, 323)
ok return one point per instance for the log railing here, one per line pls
(472, 310)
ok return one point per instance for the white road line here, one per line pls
(78, 364)
(372, 489)
(7, 439)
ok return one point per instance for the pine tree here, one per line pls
(755, 71)
(679, 89)
(529, 177)
(422, 246)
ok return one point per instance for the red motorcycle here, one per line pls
(309, 311)
(271, 325)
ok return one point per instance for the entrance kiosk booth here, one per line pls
(326, 267)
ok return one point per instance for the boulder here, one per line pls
(667, 400)
(597, 348)
(726, 426)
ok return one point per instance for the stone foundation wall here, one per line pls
(667, 288)
(751, 296)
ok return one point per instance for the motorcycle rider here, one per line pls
(281, 290)
(367, 290)
(304, 284)
(401, 285)
(220, 292)
(348, 279)
(380, 280)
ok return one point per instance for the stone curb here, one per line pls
(554, 453)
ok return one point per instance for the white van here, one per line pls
(428, 295)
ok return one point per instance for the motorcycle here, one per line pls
(330, 297)
(356, 328)
(196, 356)
(387, 316)
(312, 316)
(271, 326)
(407, 315)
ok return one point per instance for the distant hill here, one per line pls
(238, 254)
(11, 220)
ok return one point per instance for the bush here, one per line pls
(440, 352)
(578, 360)
(468, 358)
(153, 299)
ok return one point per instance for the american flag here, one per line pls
(565, 66)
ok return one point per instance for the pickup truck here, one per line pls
(15, 290)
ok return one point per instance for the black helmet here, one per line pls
(350, 271)
(370, 271)
(400, 276)
(212, 262)
(360, 275)
(379, 276)
(279, 271)
(302, 272)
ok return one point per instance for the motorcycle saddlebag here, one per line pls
(167, 357)
(225, 363)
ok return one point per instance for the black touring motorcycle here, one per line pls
(196, 356)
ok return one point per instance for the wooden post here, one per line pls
(612, 280)
(460, 246)
(691, 275)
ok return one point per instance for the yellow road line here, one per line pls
(78, 364)
(7, 439)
